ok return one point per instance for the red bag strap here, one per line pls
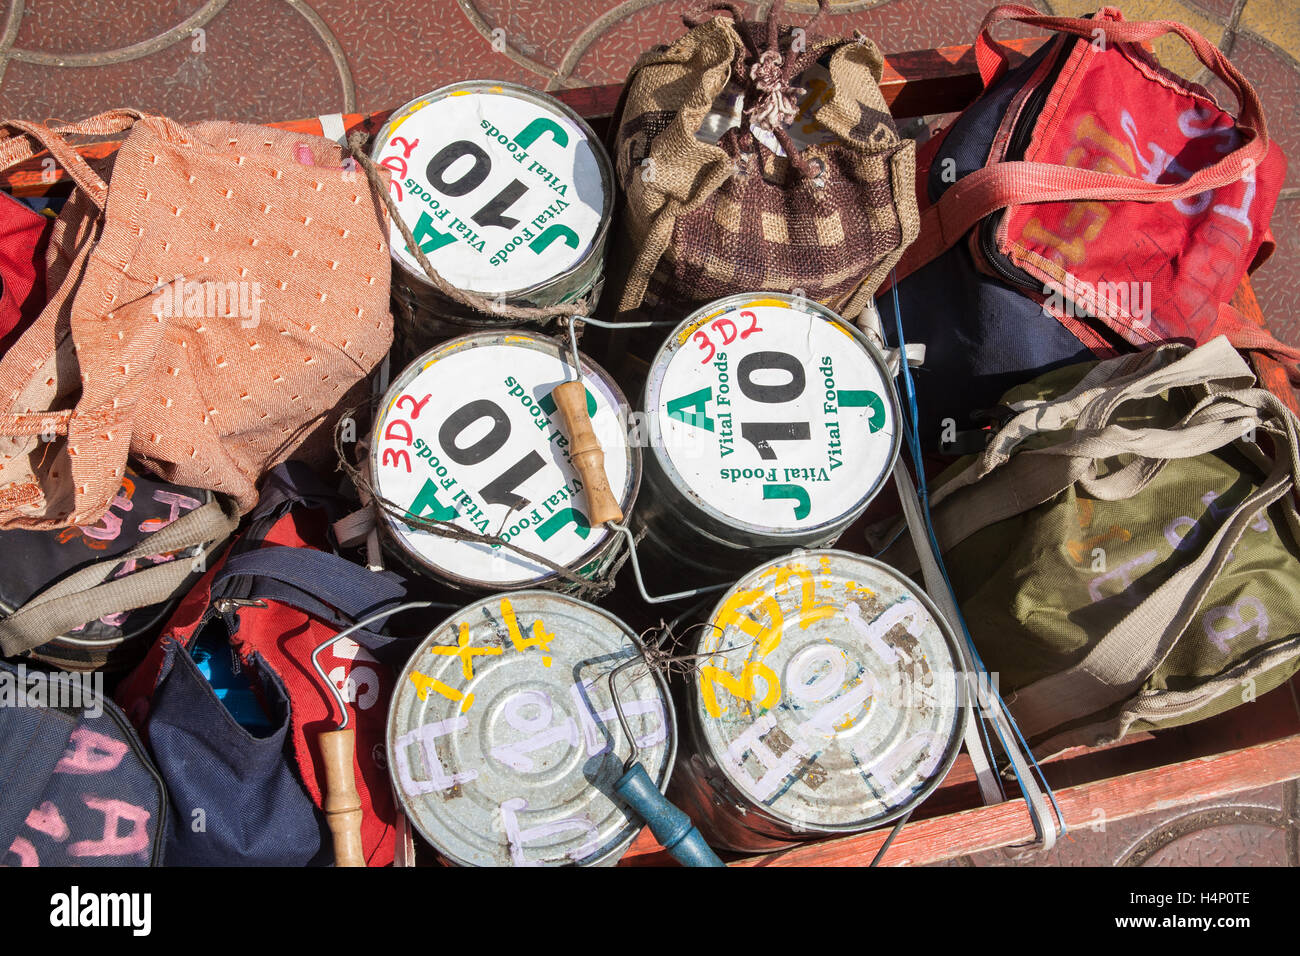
(19, 138)
(999, 185)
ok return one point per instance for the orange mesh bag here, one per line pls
(210, 310)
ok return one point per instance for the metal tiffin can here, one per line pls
(828, 698)
(507, 191)
(503, 738)
(771, 424)
(469, 434)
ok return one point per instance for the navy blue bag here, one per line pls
(239, 800)
(78, 788)
(238, 793)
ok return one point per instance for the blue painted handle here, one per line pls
(670, 826)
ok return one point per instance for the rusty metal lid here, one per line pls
(504, 188)
(469, 433)
(503, 742)
(770, 414)
(833, 697)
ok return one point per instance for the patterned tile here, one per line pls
(1232, 844)
(78, 29)
(607, 47)
(396, 51)
(922, 24)
(547, 32)
(296, 57)
(1277, 80)
(1277, 282)
(1172, 51)
(1219, 9)
(254, 62)
(1276, 21)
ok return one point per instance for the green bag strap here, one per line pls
(88, 594)
(1172, 704)
(1003, 482)
(1041, 817)
(1119, 664)
(1123, 376)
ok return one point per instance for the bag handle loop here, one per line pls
(999, 185)
(89, 594)
(992, 62)
(15, 149)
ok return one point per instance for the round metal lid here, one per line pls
(505, 189)
(469, 433)
(772, 415)
(503, 741)
(832, 694)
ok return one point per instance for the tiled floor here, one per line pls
(262, 60)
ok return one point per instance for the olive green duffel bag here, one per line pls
(1125, 549)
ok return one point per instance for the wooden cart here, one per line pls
(1252, 746)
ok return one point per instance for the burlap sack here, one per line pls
(207, 312)
(701, 221)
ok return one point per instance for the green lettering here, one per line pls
(428, 499)
(533, 131)
(696, 400)
(572, 516)
(424, 230)
(803, 504)
(554, 232)
(865, 398)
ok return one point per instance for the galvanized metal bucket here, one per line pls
(470, 434)
(509, 194)
(829, 699)
(503, 740)
(772, 424)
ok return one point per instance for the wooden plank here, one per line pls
(1273, 718)
(914, 83)
(943, 80)
(1007, 824)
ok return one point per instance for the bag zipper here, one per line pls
(1017, 145)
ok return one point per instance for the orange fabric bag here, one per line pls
(210, 310)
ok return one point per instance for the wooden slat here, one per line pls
(943, 80)
(914, 84)
(1007, 824)
(1272, 719)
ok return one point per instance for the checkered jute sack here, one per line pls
(210, 308)
(756, 212)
